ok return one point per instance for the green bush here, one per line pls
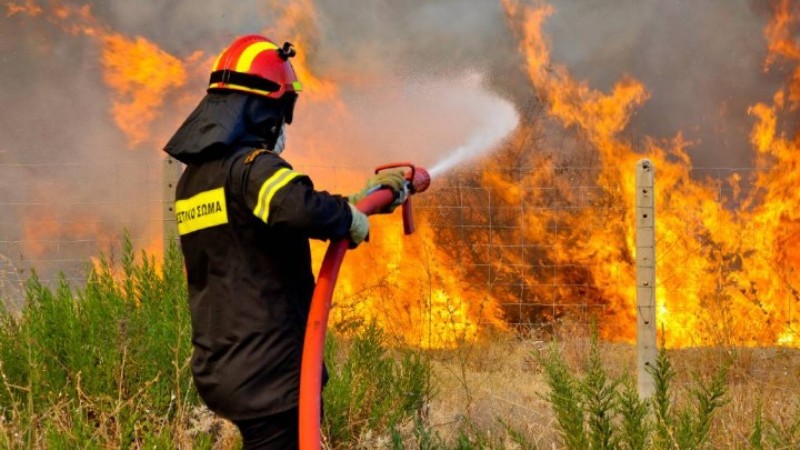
(98, 363)
(595, 412)
(372, 389)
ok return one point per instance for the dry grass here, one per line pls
(765, 377)
(502, 379)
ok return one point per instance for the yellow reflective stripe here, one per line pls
(250, 53)
(298, 86)
(204, 210)
(216, 62)
(273, 184)
(239, 88)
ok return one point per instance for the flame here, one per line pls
(142, 78)
(411, 289)
(29, 7)
(140, 74)
(45, 230)
(298, 23)
(724, 276)
(781, 45)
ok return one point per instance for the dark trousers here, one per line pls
(274, 432)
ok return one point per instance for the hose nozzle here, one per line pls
(418, 180)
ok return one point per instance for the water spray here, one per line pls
(417, 180)
(500, 125)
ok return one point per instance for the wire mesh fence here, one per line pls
(57, 217)
(496, 247)
(544, 248)
(563, 247)
(488, 224)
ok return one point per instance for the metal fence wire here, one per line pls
(560, 246)
(57, 217)
(485, 229)
(533, 243)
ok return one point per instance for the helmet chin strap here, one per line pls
(280, 143)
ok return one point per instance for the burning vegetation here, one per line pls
(726, 271)
(530, 233)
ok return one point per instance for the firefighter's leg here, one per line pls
(278, 431)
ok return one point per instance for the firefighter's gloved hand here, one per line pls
(359, 227)
(392, 179)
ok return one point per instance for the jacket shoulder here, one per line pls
(257, 168)
(260, 156)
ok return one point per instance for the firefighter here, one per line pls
(245, 217)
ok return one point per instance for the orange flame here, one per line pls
(411, 290)
(719, 281)
(29, 7)
(143, 78)
(298, 23)
(141, 75)
(781, 44)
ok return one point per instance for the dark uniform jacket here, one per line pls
(244, 218)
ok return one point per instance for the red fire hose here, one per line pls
(417, 180)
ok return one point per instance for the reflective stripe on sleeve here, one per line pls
(268, 190)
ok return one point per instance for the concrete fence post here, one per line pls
(645, 276)
(171, 172)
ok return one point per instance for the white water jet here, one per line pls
(501, 120)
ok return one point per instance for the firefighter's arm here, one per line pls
(284, 198)
(320, 214)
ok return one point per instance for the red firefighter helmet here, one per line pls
(256, 65)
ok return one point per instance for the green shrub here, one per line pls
(372, 389)
(636, 427)
(565, 398)
(115, 353)
(600, 398)
(107, 365)
(593, 412)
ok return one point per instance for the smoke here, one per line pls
(55, 105)
(702, 63)
(181, 27)
(423, 120)
(700, 69)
